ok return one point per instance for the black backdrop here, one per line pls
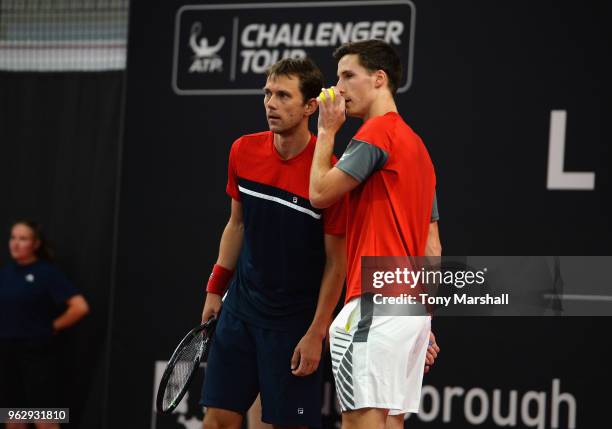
(59, 142)
(486, 77)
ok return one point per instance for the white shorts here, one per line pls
(378, 361)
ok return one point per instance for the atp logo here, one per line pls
(205, 59)
(224, 48)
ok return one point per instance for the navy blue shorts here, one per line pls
(245, 360)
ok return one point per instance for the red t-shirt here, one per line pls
(389, 212)
(253, 157)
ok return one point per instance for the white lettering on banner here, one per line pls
(378, 29)
(557, 178)
(435, 404)
(246, 39)
(205, 65)
(539, 420)
(324, 33)
(449, 392)
(510, 419)
(556, 403)
(321, 34)
(468, 407)
(478, 406)
(431, 414)
(259, 60)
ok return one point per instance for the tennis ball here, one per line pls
(332, 94)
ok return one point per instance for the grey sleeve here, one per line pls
(435, 216)
(360, 159)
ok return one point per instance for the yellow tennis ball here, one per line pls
(332, 95)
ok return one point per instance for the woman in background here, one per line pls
(32, 293)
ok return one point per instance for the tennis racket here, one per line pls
(183, 365)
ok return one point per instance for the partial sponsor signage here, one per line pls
(224, 49)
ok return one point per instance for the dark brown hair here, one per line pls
(44, 251)
(375, 55)
(311, 78)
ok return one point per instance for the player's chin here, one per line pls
(275, 125)
(276, 129)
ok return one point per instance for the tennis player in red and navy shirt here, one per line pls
(284, 262)
(283, 254)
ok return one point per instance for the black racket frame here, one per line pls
(209, 328)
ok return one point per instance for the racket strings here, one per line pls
(185, 365)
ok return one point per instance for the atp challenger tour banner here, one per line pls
(224, 48)
(511, 100)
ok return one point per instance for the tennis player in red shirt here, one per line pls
(282, 263)
(389, 177)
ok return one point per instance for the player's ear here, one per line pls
(380, 78)
(311, 106)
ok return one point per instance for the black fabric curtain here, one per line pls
(59, 143)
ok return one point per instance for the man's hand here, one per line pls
(212, 306)
(332, 114)
(307, 355)
(432, 352)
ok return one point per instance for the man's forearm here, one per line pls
(433, 247)
(231, 243)
(321, 163)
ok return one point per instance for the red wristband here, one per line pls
(219, 280)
